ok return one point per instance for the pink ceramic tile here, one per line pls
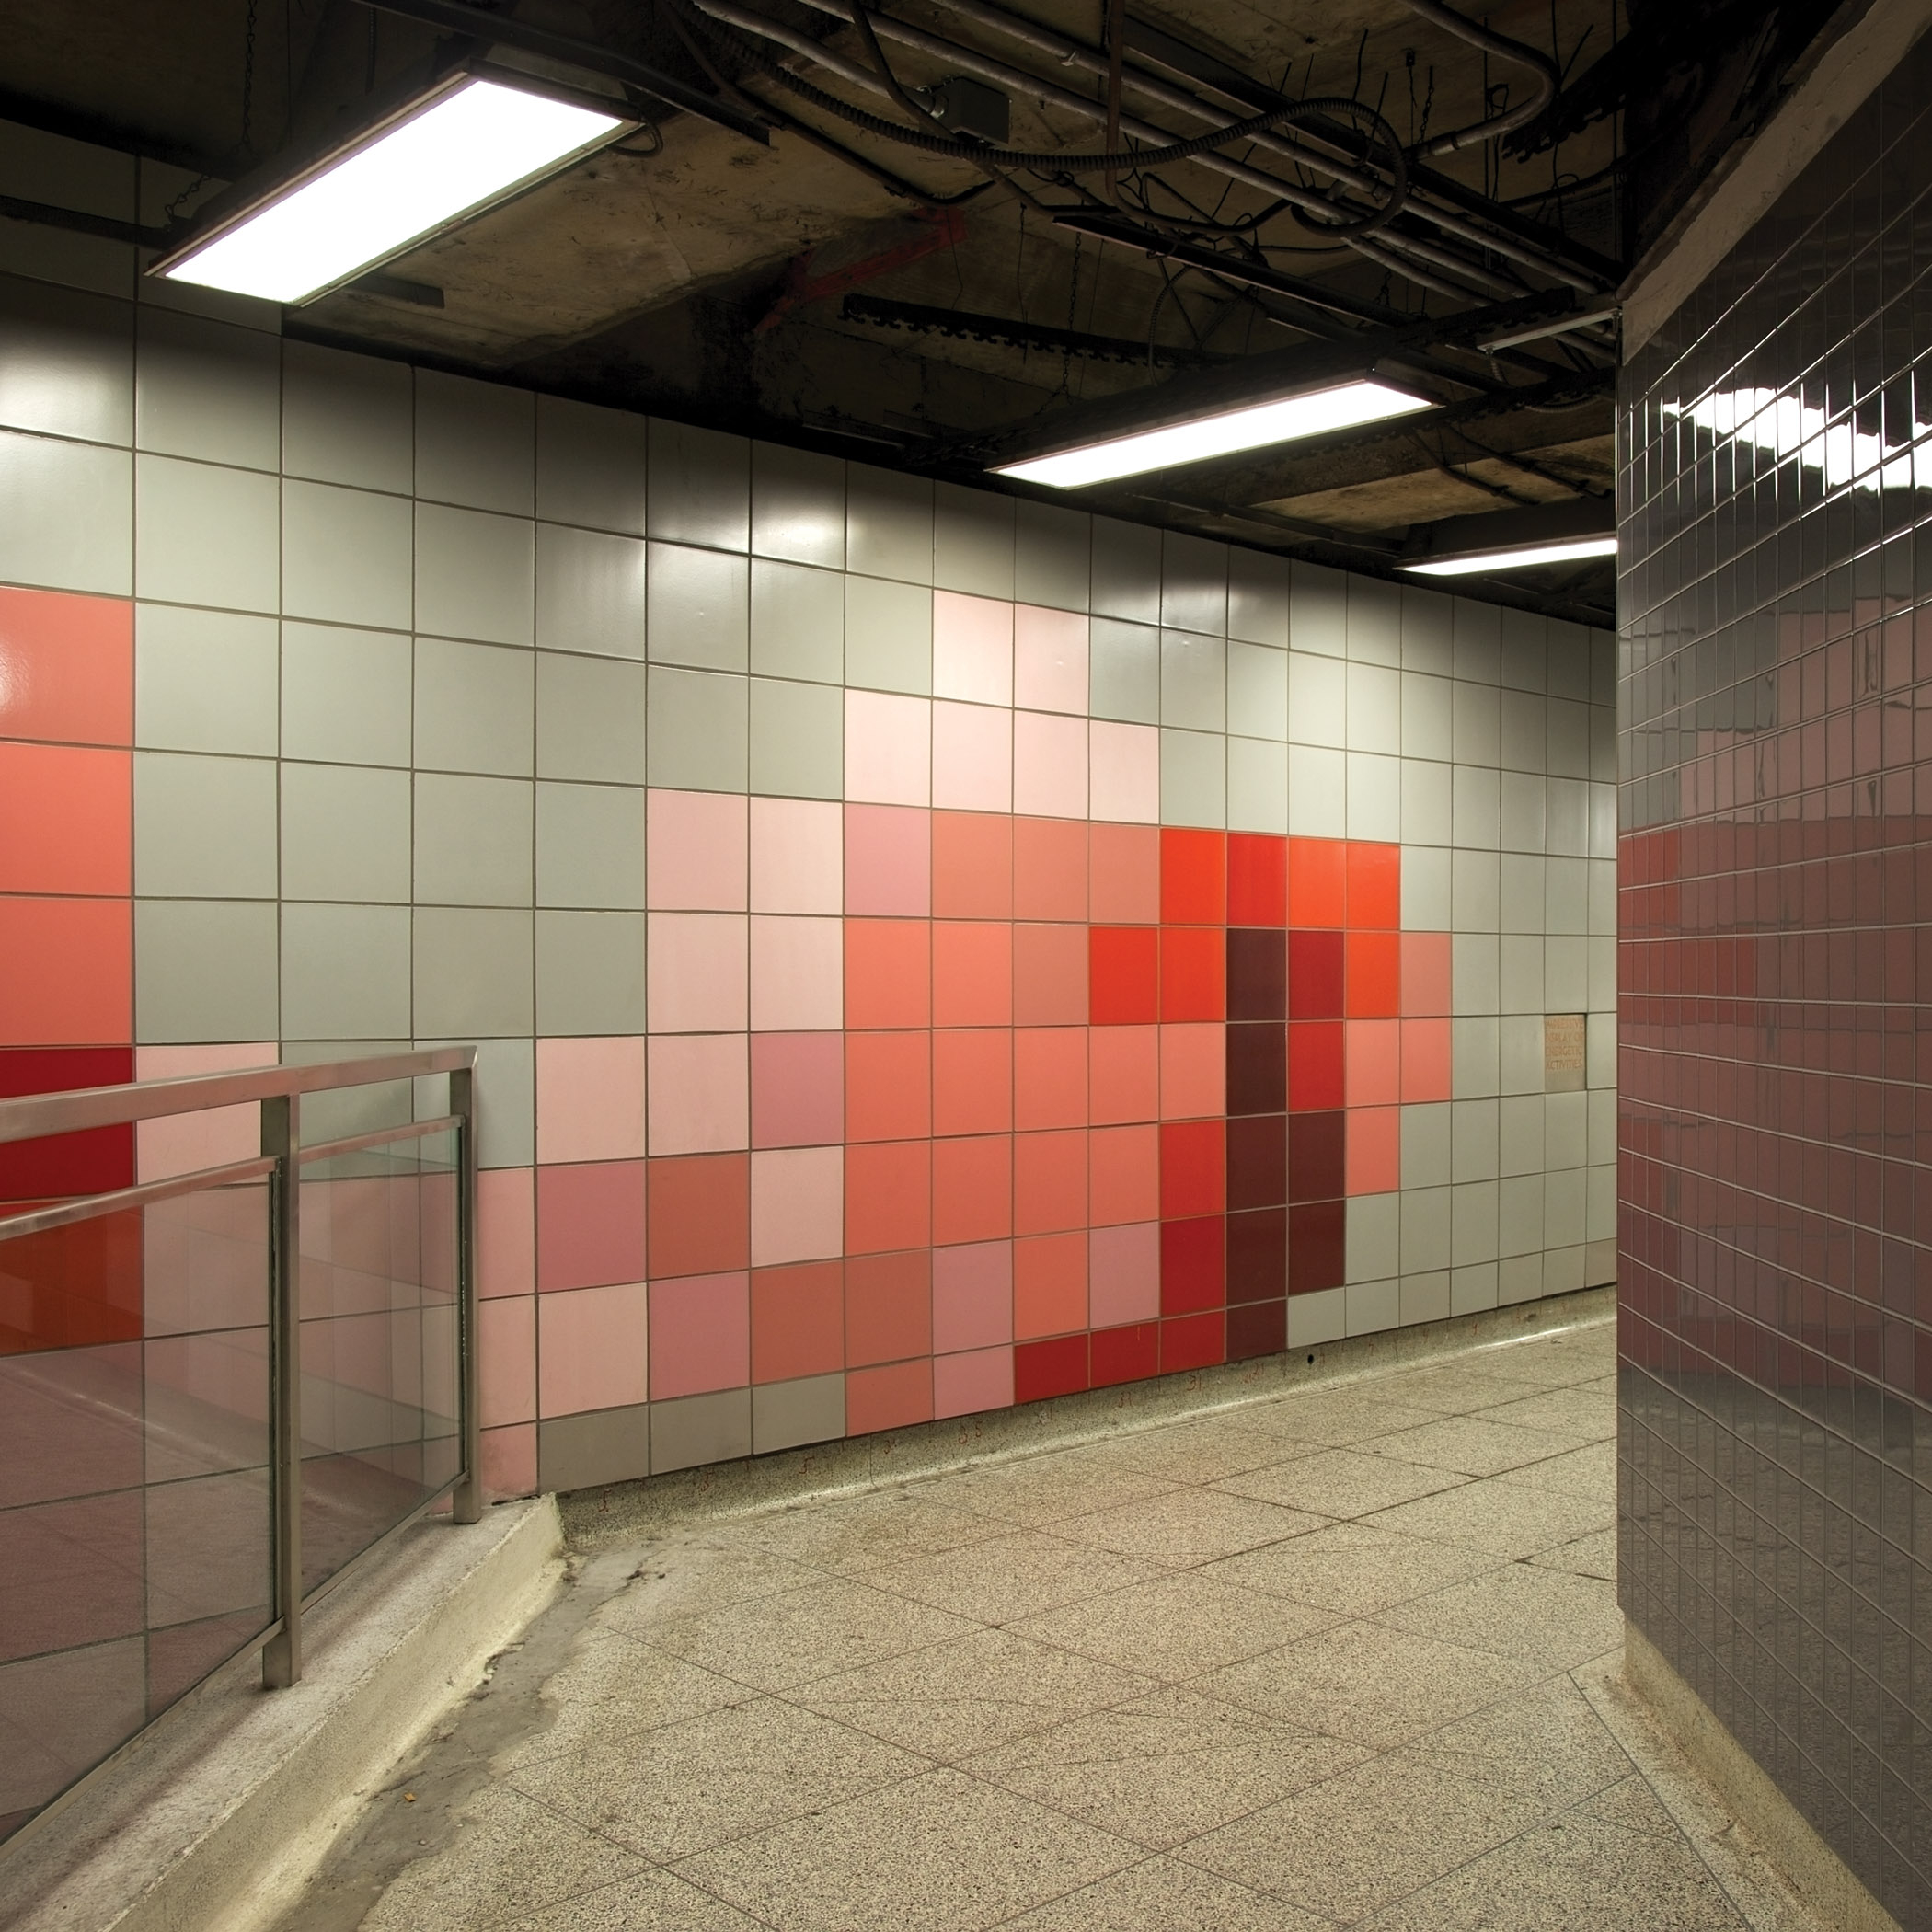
(1425, 1060)
(589, 1099)
(1123, 1074)
(1193, 1070)
(700, 1093)
(591, 1349)
(972, 1295)
(973, 1080)
(1374, 1063)
(506, 1231)
(1374, 1150)
(798, 856)
(1123, 1174)
(1049, 1285)
(967, 1383)
(1124, 1274)
(973, 972)
(589, 1225)
(797, 1089)
(797, 974)
(510, 1461)
(1123, 763)
(1050, 659)
(888, 749)
(798, 1198)
(972, 757)
(698, 973)
(973, 1189)
(1050, 1182)
(1050, 765)
(1050, 1077)
(213, 1138)
(695, 851)
(972, 648)
(1124, 870)
(700, 1335)
(1425, 974)
(506, 1360)
(887, 861)
(1049, 976)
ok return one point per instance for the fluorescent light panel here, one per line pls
(466, 146)
(1226, 434)
(1517, 559)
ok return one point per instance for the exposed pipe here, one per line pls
(1477, 132)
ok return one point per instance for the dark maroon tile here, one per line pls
(1256, 974)
(1258, 1255)
(1258, 1161)
(1318, 1245)
(1256, 1067)
(1315, 975)
(1316, 1145)
(1256, 1328)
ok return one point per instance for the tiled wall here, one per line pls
(928, 951)
(1776, 976)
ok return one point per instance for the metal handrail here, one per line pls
(277, 1091)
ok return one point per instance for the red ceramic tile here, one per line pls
(1317, 1157)
(1193, 972)
(1317, 882)
(1314, 1065)
(66, 667)
(1049, 1285)
(797, 1089)
(696, 855)
(1193, 1264)
(1123, 1166)
(1050, 1077)
(1192, 1343)
(1050, 868)
(973, 1189)
(1258, 1255)
(1318, 1245)
(1373, 962)
(1049, 1182)
(1425, 974)
(798, 1322)
(1124, 874)
(888, 1196)
(888, 1087)
(700, 1215)
(1193, 1156)
(1043, 1369)
(972, 973)
(973, 1296)
(590, 1224)
(891, 1397)
(1258, 1161)
(887, 860)
(972, 864)
(1374, 1063)
(974, 1381)
(65, 823)
(1425, 1060)
(1193, 877)
(506, 1231)
(1374, 1150)
(591, 1349)
(973, 1081)
(1123, 975)
(1049, 969)
(889, 1306)
(1316, 984)
(1123, 1074)
(1256, 880)
(888, 972)
(1256, 1328)
(63, 1163)
(1125, 1354)
(1375, 888)
(1194, 1071)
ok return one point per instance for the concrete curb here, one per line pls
(216, 1814)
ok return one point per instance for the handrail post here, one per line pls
(281, 1142)
(466, 1501)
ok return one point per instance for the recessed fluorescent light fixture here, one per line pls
(470, 142)
(1486, 561)
(1224, 434)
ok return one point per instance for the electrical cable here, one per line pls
(1479, 133)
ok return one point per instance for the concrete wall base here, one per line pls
(213, 1818)
(594, 1518)
(1806, 1862)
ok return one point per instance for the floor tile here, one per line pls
(1341, 1483)
(694, 1785)
(1010, 1577)
(1335, 1418)
(1459, 1388)
(1166, 1894)
(1473, 1445)
(858, 1533)
(1544, 1742)
(1585, 1415)
(1592, 1556)
(1354, 1568)
(1590, 1471)
(1037, 1490)
(683, 1576)
(1520, 1611)
(653, 1902)
(940, 1853)
(1180, 1527)
(1201, 1452)
(1503, 1515)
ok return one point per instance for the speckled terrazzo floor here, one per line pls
(1344, 1657)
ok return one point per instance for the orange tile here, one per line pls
(972, 864)
(1374, 1150)
(893, 1398)
(1374, 886)
(888, 1196)
(1314, 1065)
(1257, 878)
(1124, 1164)
(1050, 1077)
(888, 1307)
(1049, 1285)
(888, 1087)
(65, 819)
(888, 972)
(1193, 877)
(66, 971)
(1124, 874)
(66, 667)
(1049, 1182)
(698, 1217)
(1193, 972)
(1050, 868)
(973, 1189)
(1373, 968)
(1050, 972)
(1123, 1074)
(972, 973)
(973, 1081)
(1317, 887)
(1193, 1162)
(1124, 968)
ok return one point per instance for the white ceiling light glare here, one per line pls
(1486, 561)
(446, 157)
(1226, 432)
